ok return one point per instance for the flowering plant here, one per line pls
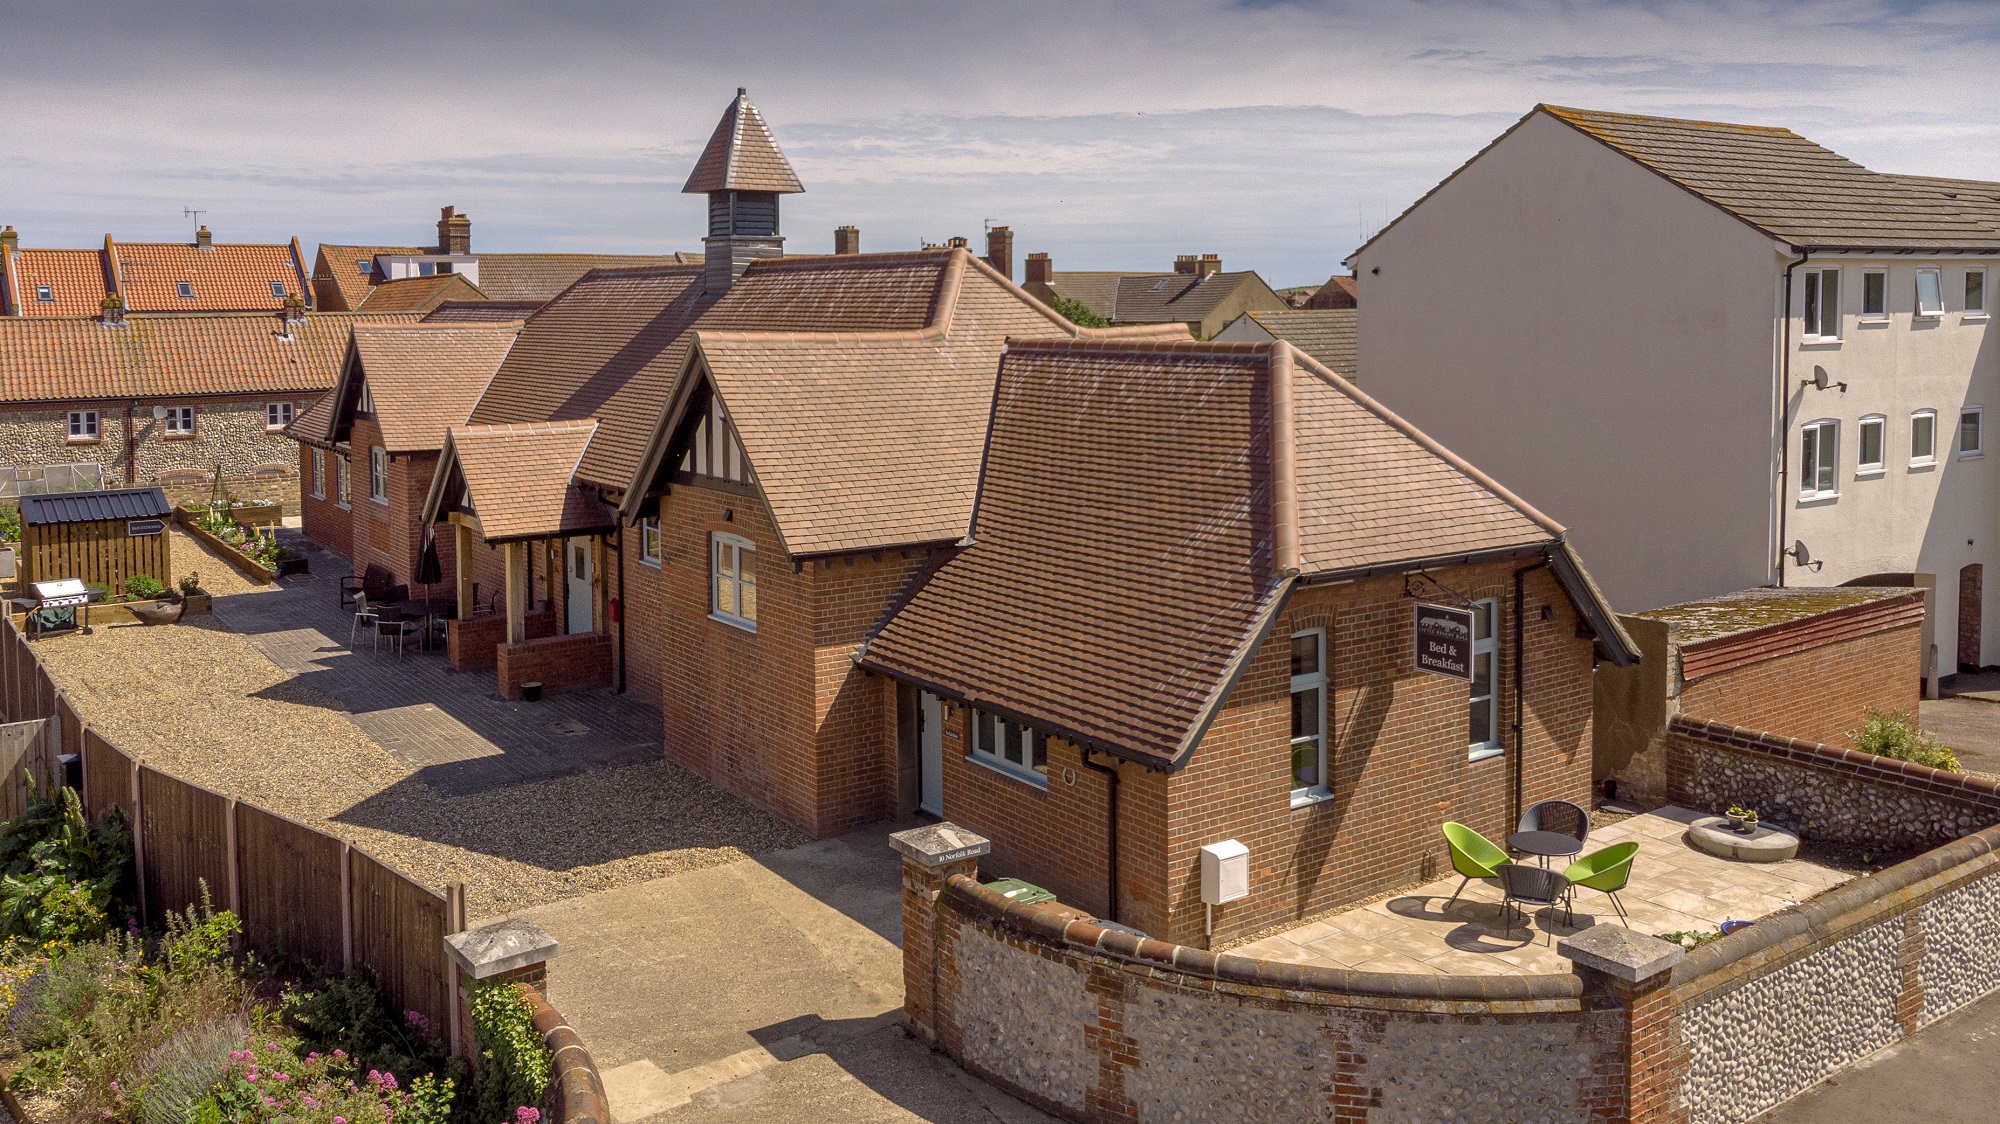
(268, 1083)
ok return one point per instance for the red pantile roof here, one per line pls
(79, 358)
(419, 294)
(223, 277)
(742, 156)
(338, 280)
(75, 279)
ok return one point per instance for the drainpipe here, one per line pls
(1785, 416)
(1521, 680)
(131, 446)
(1111, 812)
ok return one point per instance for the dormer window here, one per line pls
(366, 406)
(427, 269)
(184, 289)
(278, 289)
(715, 450)
(46, 294)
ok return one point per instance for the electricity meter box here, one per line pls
(1225, 872)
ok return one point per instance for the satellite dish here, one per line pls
(1803, 557)
(159, 413)
(1820, 378)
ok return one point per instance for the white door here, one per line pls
(582, 574)
(930, 761)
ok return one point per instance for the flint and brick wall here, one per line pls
(257, 463)
(558, 663)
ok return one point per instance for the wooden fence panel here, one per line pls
(289, 886)
(70, 729)
(399, 931)
(107, 778)
(186, 829)
(28, 766)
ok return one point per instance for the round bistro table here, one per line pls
(1545, 845)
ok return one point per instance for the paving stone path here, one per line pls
(454, 728)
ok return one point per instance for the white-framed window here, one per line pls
(45, 294)
(83, 425)
(343, 481)
(1017, 750)
(278, 289)
(1482, 728)
(184, 290)
(1874, 294)
(427, 269)
(1309, 775)
(1930, 293)
(649, 540)
(1975, 293)
(319, 474)
(1868, 442)
(733, 581)
(1819, 449)
(1923, 437)
(1971, 442)
(180, 421)
(378, 474)
(277, 415)
(716, 450)
(1822, 304)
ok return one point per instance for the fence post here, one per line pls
(235, 875)
(139, 846)
(514, 949)
(1637, 1073)
(346, 906)
(454, 922)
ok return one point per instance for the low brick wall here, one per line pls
(558, 663)
(576, 1095)
(473, 643)
(1824, 792)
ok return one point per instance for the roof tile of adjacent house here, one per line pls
(1149, 298)
(80, 358)
(1112, 604)
(75, 279)
(1327, 334)
(348, 271)
(224, 277)
(424, 378)
(419, 294)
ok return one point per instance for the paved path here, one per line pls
(764, 990)
(453, 727)
(1944, 1074)
(1967, 718)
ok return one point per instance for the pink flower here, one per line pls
(340, 1054)
(281, 1077)
(312, 1057)
(527, 1115)
(310, 1103)
(115, 1087)
(340, 1120)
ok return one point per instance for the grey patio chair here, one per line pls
(396, 626)
(364, 613)
(1534, 886)
(1559, 816)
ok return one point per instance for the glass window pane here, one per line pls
(1482, 675)
(1306, 713)
(1305, 762)
(1922, 427)
(1305, 654)
(1482, 621)
(1871, 442)
(1930, 297)
(1812, 302)
(1968, 431)
(1828, 449)
(1975, 291)
(1874, 294)
(983, 731)
(1829, 303)
(1038, 747)
(1479, 722)
(1808, 458)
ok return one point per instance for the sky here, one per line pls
(1276, 133)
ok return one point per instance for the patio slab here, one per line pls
(1674, 888)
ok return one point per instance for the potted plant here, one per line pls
(193, 595)
(1738, 816)
(1749, 820)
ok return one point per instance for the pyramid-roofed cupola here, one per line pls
(742, 171)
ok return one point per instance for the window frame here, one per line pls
(50, 298)
(716, 576)
(364, 266)
(378, 474)
(1978, 416)
(1966, 309)
(1034, 743)
(1927, 459)
(1818, 428)
(319, 474)
(93, 428)
(184, 290)
(343, 480)
(1937, 276)
(1818, 310)
(649, 541)
(181, 423)
(1319, 681)
(278, 289)
(1881, 315)
(286, 411)
(1488, 649)
(1880, 464)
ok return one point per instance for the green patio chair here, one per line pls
(1606, 871)
(1472, 856)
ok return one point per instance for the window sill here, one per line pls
(383, 500)
(1874, 321)
(1868, 473)
(1971, 456)
(344, 506)
(1485, 752)
(1930, 462)
(1307, 797)
(1828, 342)
(84, 441)
(177, 436)
(733, 622)
(1814, 499)
(275, 428)
(1012, 772)
(1972, 317)
(653, 562)
(1932, 317)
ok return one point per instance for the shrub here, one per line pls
(60, 878)
(515, 1066)
(178, 1074)
(350, 1014)
(1889, 733)
(1079, 313)
(144, 587)
(1689, 940)
(10, 523)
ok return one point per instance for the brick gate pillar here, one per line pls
(509, 950)
(1639, 1059)
(931, 855)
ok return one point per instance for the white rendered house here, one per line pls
(1631, 319)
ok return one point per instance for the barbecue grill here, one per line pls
(53, 608)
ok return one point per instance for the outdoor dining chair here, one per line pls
(1521, 884)
(1559, 816)
(1607, 871)
(1472, 856)
(396, 626)
(364, 613)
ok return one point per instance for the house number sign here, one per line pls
(1444, 641)
(138, 527)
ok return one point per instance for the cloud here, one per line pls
(1108, 134)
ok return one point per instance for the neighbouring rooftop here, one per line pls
(1749, 609)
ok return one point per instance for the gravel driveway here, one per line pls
(203, 703)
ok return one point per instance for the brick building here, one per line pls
(1186, 615)
(367, 451)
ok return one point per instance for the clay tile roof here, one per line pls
(1125, 560)
(419, 294)
(341, 266)
(424, 378)
(79, 358)
(482, 312)
(540, 277)
(521, 479)
(229, 277)
(1148, 298)
(75, 279)
(314, 426)
(1327, 335)
(742, 156)
(1340, 291)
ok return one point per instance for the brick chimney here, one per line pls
(1211, 264)
(203, 240)
(1000, 251)
(846, 239)
(454, 232)
(9, 241)
(1039, 268)
(111, 311)
(1184, 263)
(957, 243)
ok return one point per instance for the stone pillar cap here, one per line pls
(1618, 951)
(937, 844)
(500, 947)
